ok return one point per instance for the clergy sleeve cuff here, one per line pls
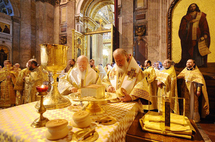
(140, 93)
(134, 97)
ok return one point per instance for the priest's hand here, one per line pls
(198, 93)
(73, 89)
(126, 98)
(180, 77)
(111, 89)
(160, 84)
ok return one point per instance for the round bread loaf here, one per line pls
(81, 119)
(56, 129)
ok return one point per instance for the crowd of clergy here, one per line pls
(131, 82)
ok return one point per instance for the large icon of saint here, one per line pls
(195, 36)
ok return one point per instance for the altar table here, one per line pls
(15, 122)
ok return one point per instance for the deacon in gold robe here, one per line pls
(167, 86)
(195, 86)
(150, 75)
(16, 69)
(92, 65)
(126, 78)
(80, 76)
(7, 79)
(28, 79)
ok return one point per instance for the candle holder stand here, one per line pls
(41, 121)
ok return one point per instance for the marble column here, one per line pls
(16, 39)
(157, 33)
(33, 28)
(127, 26)
(39, 24)
(44, 25)
(99, 49)
(153, 30)
(70, 25)
(25, 32)
(163, 31)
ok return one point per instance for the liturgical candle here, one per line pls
(42, 88)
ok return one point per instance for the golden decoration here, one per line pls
(54, 59)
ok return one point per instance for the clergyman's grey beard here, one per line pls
(122, 69)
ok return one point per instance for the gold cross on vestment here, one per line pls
(112, 74)
(132, 73)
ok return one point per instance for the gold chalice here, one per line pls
(54, 59)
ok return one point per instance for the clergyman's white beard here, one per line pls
(82, 73)
(122, 70)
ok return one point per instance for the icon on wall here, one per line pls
(5, 28)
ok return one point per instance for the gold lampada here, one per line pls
(54, 59)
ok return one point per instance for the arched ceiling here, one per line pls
(97, 10)
(6, 8)
(89, 8)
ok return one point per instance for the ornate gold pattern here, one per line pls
(112, 74)
(131, 73)
(141, 93)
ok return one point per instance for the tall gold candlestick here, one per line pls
(41, 121)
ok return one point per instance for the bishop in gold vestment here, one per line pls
(150, 75)
(80, 76)
(167, 86)
(27, 81)
(195, 86)
(7, 79)
(126, 76)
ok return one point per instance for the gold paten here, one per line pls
(54, 59)
(94, 107)
(41, 121)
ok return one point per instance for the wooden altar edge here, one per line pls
(136, 134)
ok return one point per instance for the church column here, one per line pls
(70, 25)
(44, 25)
(25, 32)
(16, 39)
(56, 23)
(99, 50)
(127, 26)
(163, 31)
(154, 30)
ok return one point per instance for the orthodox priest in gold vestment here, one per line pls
(80, 76)
(7, 78)
(27, 81)
(167, 86)
(92, 65)
(16, 69)
(195, 86)
(150, 75)
(126, 78)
